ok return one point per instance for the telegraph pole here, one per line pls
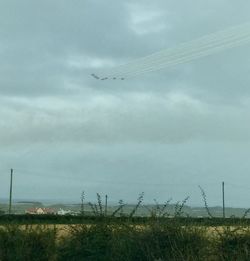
(10, 198)
(106, 205)
(223, 198)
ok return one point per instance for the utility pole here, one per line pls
(10, 198)
(106, 205)
(223, 198)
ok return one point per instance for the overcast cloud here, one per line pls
(163, 133)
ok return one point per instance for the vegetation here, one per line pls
(124, 237)
(106, 240)
(122, 241)
(27, 243)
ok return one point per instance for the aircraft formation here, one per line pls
(106, 78)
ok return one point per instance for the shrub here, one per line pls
(158, 241)
(128, 242)
(86, 243)
(174, 242)
(27, 243)
(233, 244)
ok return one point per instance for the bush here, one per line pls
(174, 242)
(160, 242)
(86, 243)
(233, 244)
(27, 243)
(123, 242)
(106, 240)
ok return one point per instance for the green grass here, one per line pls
(125, 237)
(157, 239)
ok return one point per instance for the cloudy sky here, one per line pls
(163, 133)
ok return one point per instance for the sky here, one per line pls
(162, 133)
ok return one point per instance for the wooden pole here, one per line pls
(106, 205)
(10, 198)
(223, 199)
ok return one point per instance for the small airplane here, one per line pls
(95, 76)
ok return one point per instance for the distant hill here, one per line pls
(29, 202)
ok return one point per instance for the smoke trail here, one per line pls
(187, 58)
(178, 52)
(203, 41)
(171, 59)
(185, 52)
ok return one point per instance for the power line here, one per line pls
(37, 173)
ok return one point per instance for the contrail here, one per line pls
(192, 46)
(204, 49)
(188, 49)
(188, 58)
(185, 52)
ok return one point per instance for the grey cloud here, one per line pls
(42, 36)
(169, 118)
(188, 125)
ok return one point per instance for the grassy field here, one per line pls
(119, 236)
(110, 239)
